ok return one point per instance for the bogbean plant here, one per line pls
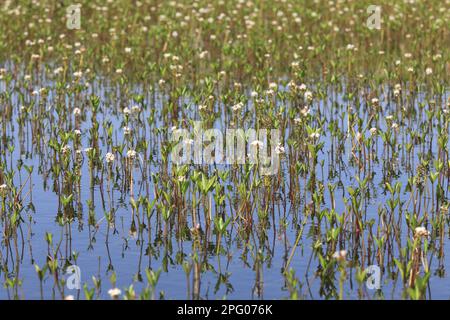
(88, 114)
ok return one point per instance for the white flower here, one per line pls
(302, 87)
(69, 297)
(254, 94)
(119, 71)
(114, 293)
(314, 135)
(65, 149)
(421, 232)
(340, 255)
(308, 96)
(273, 86)
(3, 188)
(373, 131)
(127, 50)
(203, 54)
(135, 109)
(375, 101)
(305, 111)
(109, 157)
(126, 131)
(201, 107)
(76, 112)
(58, 70)
(126, 111)
(279, 149)
(131, 154)
(77, 132)
(237, 106)
(428, 71)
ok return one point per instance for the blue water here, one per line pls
(127, 256)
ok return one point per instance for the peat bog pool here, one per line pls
(93, 203)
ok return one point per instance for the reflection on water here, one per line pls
(125, 217)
